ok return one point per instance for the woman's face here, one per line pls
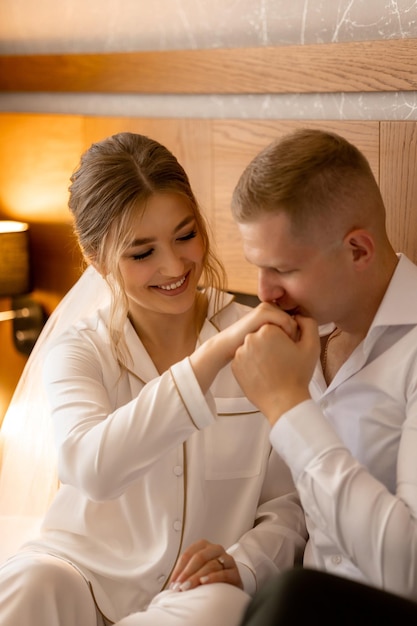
(162, 266)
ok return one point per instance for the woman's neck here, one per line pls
(170, 338)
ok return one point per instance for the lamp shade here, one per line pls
(14, 258)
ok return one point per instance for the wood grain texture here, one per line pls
(368, 66)
(398, 183)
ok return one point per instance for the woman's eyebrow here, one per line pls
(184, 222)
(147, 240)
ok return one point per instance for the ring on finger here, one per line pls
(220, 559)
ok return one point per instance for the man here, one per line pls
(342, 399)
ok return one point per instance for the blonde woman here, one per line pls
(172, 508)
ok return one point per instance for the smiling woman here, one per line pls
(161, 271)
(145, 240)
(168, 255)
(157, 448)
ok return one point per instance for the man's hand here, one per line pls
(220, 349)
(274, 370)
(203, 563)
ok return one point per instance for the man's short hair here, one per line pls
(316, 177)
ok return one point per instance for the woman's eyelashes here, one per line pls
(140, 256)
(188, 236)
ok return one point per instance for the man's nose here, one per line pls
(269, 287)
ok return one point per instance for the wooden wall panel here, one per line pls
(235, 143)
(398, 182)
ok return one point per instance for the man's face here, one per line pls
(298, 274)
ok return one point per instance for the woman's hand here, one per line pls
(264, 313)
(204, 563)
(219, 350)
(275, 371)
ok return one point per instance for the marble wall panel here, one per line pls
(118, 25)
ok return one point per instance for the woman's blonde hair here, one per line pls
(114, 179)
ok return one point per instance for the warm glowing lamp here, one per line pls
(15, 282)
(14, 258)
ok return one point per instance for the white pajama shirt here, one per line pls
(149, 465)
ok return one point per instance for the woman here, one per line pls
(159, 453)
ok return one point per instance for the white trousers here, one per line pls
(40, 589)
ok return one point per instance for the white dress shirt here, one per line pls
(149, 465)
(352, 451)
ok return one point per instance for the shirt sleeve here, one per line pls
(372, 527)
(106, 444)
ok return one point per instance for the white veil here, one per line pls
(28, 476)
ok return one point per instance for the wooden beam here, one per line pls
(362, 66)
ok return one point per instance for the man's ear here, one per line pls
(360, 244)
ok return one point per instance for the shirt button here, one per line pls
(178, 470)
(161, 579)
(336, 559)
(177, 525)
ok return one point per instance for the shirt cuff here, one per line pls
(301, 434)
(248, 578)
